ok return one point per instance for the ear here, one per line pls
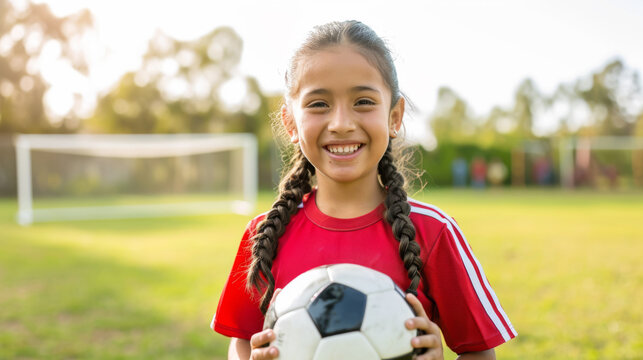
(289, 123)
(395, 118)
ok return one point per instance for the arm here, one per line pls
(257, 348)
(239, 349)
(478, 355)
(242, 349)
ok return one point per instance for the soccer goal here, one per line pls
(77, 177)
(608, 161)
(614, 162)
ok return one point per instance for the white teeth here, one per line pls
(343, 150)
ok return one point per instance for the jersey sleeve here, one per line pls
(468, 311)
(238, 313)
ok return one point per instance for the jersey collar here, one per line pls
(336, 224)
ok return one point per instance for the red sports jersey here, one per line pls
(454, 290)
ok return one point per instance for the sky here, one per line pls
(480, 49)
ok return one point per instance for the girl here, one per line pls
(343, 110)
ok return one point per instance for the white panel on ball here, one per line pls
(352, 345)
(296, 323)
(300, 290)
(360, 278)
(383, 324)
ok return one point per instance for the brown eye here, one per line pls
(317, 104)
(364, 102)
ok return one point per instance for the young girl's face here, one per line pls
(341, 114)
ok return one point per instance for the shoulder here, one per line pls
(251, 226)
(428, 214)
(431, 223)
(257, 219)
(254, 222)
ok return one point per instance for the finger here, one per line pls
(424, 324)
(421, 321)
(262, 338)
(432, 354)
(264, 353)
(426, 341)
(416, 305)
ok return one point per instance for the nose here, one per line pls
(341, 121)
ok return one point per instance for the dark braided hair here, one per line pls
(292, 189)
(397, 214)
(297, 181)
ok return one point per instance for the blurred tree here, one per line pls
(527, 99)
(179, 89)
(566, 105)
(452, 120)
(497, 128)
(613, 95)
(190, 87)
(29, 38)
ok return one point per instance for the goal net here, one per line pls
(77, 177)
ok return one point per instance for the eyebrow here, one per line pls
(322, 91)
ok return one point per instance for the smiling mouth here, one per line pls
(343, 149)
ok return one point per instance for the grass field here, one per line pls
(566, 266)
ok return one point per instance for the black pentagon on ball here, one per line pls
(337, 309)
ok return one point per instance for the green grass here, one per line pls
(565, 265)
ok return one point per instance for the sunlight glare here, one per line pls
(59, 102)
(233, 93)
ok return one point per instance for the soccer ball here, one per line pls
(341, 311)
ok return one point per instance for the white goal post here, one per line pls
(136, 146)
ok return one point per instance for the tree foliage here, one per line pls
(607, 102)
(614, 97)
(180, 88)
(28, 37)
(452, 119)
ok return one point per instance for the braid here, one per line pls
(397, 214)
(264, 249)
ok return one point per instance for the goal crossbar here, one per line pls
(133, 146)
